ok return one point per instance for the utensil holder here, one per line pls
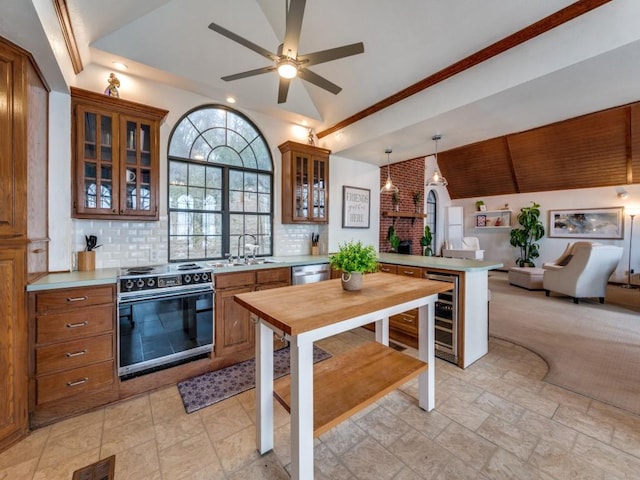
(86, 261)
(315, 250)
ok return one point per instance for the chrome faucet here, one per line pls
(240, 237)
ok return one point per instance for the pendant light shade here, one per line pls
(388, 187)
(437, 180)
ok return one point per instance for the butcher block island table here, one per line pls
(321, 396)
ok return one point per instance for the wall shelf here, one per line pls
(488, 218)
(404, 214)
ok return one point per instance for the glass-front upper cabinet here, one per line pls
(116, 157)
(305, 183)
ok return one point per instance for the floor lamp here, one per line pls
(628, 285)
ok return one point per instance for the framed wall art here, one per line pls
(587, 223)
(356, 209)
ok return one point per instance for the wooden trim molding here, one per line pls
(67, 32)
(538, 28)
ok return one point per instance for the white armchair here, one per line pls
(470, 249)
(587, 272)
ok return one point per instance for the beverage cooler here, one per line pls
(446, 318)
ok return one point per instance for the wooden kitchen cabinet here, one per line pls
(116, 158)
(73, 351)
(24, 115)
(234, 328)
(305, 183)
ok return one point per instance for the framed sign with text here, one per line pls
(355, 207)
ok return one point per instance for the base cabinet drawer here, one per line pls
(74, 354)
(74, 324)
(67, 298)
(74, 382)
(405, 321)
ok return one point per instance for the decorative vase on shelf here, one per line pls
(352, 281)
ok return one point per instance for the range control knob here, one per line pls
(151, 282)
(196, 277)
(205, 277)
(187, 279)
(128, 285)
(140, 283)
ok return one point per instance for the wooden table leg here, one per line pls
(301, 409)
(426, 353)
(264, 388)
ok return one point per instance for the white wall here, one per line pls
(496, 242)
(126, 243)
(351, 173)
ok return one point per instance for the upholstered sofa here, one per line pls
(585, 273)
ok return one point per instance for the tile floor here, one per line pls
(494, 420)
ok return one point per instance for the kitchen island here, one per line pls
(345, 384)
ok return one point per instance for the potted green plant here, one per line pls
(354, 259)
(480, 206)
(417, 199)
(425, 241)
(394, 239)
(395, 198)
(525, 238)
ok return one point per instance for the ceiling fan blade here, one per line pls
(243, 41)
(331, 54)
(293, 28)
(249, 73)
(283, 89)
(319, 81)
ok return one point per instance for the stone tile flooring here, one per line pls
(495, 420)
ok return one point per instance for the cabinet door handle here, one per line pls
(77, 382)
(76, 325)
(38, 250)
(77, 299)
(76, 354)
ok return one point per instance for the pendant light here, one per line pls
(437, 180)
(388, 187)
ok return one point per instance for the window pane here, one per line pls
(227, 156)
(236, 225)
(235, 201)
(208, 117)
(175, 194)
(264, 183)
(238, 124)
(178, 173)
(196, 175)
(182, 139)
(248, 158)
(264, 203)
(250, 202)
(200, 149)
(235, 141)
(250, 182)
(236, 180)
(262, 154)
(214, 177)
(198, 197)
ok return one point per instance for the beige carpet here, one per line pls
(591, 349)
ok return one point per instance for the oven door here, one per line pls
(162, 329)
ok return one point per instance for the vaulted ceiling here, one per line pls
(570, 66)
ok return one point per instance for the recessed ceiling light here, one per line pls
(120, 65)
(231, 99)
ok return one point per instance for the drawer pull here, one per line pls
(77, 382)
(76, 354)
(76, 325)
(406, 272)
(77, 299)
(407, 319)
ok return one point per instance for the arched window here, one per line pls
(220, 185)
(431, 222)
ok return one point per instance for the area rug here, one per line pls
(212, 387)
(591, 349)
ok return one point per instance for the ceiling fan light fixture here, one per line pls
(388, 186)
(437, 180)
(287, 68)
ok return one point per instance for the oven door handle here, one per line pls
(160, 296)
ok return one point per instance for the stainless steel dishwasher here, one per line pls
(303, 274)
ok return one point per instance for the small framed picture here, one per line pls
(483, 208)
(481, 220)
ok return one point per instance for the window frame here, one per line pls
(228, 241)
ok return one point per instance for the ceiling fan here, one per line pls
(287, 62)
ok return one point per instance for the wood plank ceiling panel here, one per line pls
(478, 169)
(582, 152)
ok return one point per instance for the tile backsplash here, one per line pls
(132, 243)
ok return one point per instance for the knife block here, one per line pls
(315, 250)
(86, 261)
